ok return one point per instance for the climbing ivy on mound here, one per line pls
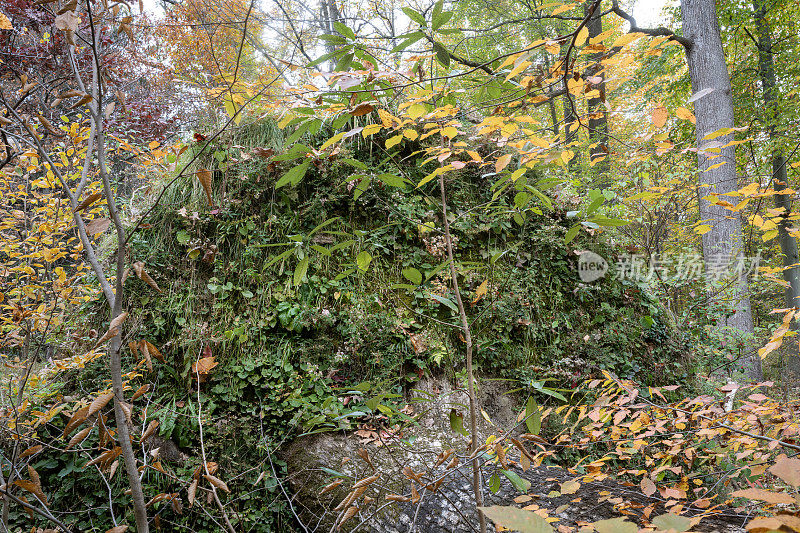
(271, 280)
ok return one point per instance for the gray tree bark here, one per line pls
(328, 14)
(724, 242)
(780, 179)
(570, 120)
(598, 117)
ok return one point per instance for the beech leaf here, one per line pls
(788, 470)
(142, 274)
(217, 482)
(615, 525)
(204, 177)
(67, 21)
(97, 225)
(764, 495)
(99, 402)
(78, 438)
(192, 491)
(5, 23)
(33, 450)
(362, 109)
(659, 116)
(92, 198)
(648, 487)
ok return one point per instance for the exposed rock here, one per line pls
(165, 449)
(314, 460)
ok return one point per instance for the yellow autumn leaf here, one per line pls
(751, 188)
(602, 37)
(716, 165)
(410, 134)
(582, 36)
(718, 133)
(5, 24)
(628, 38)
(416, 110)
(449, 132)
(538, 141)
(371, 129)
(768, 236)
(563, 8)
(702, 229)
(204, 176)
(391, 141)
(517, 69)
(659, 116)
(684, 114)
(570, 487)
(336, 138)
(502, 162)
(387, 119)
(481, 291)
(510, 59)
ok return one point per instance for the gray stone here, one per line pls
(450, 507)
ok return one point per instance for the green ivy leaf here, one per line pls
(415, 16)
(442, 55)
(522, 485)
(413, 275)
(293, 175)
(533, 417)
(410, 39)
(571, 233)
(300, 271)
(363, 259)
(457, 422)
(344, 30)
(446, 301)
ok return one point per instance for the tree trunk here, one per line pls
(570, 121)
(598, 118)
(477, 485)
(788, 244)
(723, 244)
(328, 14)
